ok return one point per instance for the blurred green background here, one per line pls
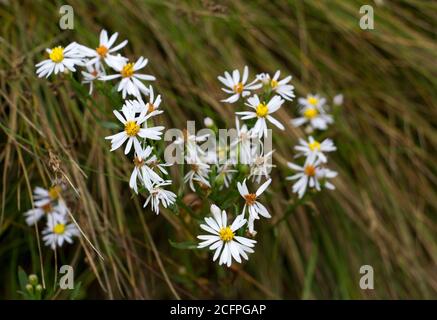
(382, 214)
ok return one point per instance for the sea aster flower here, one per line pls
(281, 87)
(59, 60)
(315, 117)
(59, 231)
(130, 82)
(199, 172)
(93, 73)
(262, 111)
(57, 212)
(142, 171)
(313, 149)
(261, 166)
(159, 195)
(313, 101)
(223, 238)
(236, 87)
(254, 207)
(310, 175)
(105, 51)
(226, 172)
(132, 130)
(43, 196)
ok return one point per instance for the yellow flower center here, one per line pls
(57, 54)
(131, 128)
(59, 228)
(310, 170)
(55, 192)
(310, 113)
(128, 70)
(102, 51)
(226, 234)
(238, 88)
(138, 162)
(313, 101)
(262, 110)
(47, 208)
(250, 198)
(315, 145)
(273, 83)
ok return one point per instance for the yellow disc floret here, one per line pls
(128, 70)
(310, 113)
(313, 101)
(102, 51)
(55, 192)
(59, 228)
(131, 128)
(273, 83)
(239, 87)
(57, 54)
(226, 234)
(310, 170)
(262, 110)
(315, 145)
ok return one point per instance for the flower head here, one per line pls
(223, 238)
(315, 149)
(237, 86)
(130, 82)
(105, 51)
(59, 231)
(254, 207)
(281, 87)
(158, 195)
(262, 111)
(60, 59)
(310, 175)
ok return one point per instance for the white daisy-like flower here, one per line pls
(261, 165)
(142, 171)
(310, 175)
(158, 195)
(262, 111)
(254, 207)
(313, 101)
(105, 51)
(132, 130)
(152, 105)
(130, 82)
(223, 238)
(237, 87)
(199, 172)
(60, 59)
(281, 87)
(57, 212)
(315, 117)
(314, 149)
(59, 231)
(43, 196)
(92, 74)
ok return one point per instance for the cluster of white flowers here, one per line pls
(263, 96)
(49, 205)
(135, 115)
(208, 172)
(313, 173)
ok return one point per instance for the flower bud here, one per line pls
(38, 288)
(208, 122)
(33, 279)
(29, 288)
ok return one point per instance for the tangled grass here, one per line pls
(383, 213)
